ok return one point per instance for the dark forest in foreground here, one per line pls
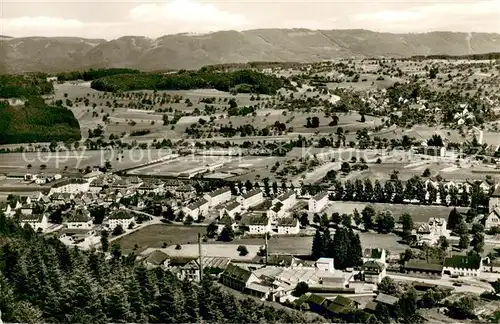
(42, 280)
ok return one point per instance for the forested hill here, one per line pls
(185, 51)
(245, 81)
(43, 281)
(33, 121)
(24, 86)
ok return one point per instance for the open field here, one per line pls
(155, 235)
(177, 166)
(407, 170)
(229, 165)
(302, 245)
(297, 120)
(57, 162)
(419, 213)
(121, 116)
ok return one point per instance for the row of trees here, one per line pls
(42, 280)
(383, 222)
(393, 191)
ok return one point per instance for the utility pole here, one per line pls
(201, 256)
(266, 248)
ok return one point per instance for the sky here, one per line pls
(111, 19)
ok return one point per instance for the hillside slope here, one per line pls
(33, 120)
(183, 51)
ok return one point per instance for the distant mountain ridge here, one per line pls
(187, 51)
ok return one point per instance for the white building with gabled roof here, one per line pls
(318, 202)
(288, 225)
(197, 209)
(492, 219)
(252, 198)
(287, 199)
(120, 217)
(218, 196)
(79, 219)
(38, 222)
(231, 208)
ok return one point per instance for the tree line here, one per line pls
(93, 74)
(414, 190)
(238, 81)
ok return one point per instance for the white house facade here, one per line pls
(493, 219)
(72, 186)
(288, 199)
(197, 209)
(288, 226)
(79, 219)
(318, 202)
(120, 218)
(218, 196)
(36, 221)
(259, 225)
(463, 265)
(252, 198)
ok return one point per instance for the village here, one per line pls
(357, 190)
(101, 208)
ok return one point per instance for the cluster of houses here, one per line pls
(249, 210)
(276, 277)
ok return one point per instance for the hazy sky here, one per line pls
(111, 18)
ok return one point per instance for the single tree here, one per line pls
(443, 243)
(368, 213)
(118, 230)
(227, 234)
(388, 286)
(212, 230)
(104, 241)
(454, 219)
(243, 250)
(300, 289)
(407, 224)
(317, 245)
(304, 220)
(464, 241)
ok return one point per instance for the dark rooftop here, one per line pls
(237, 273)
(251, 193)
(463, 262)
(320, 195)
(386, 299)
(157, 257)
(218, 192)
(31, 218)
(287, 221)
(417, 264)
(197, 204)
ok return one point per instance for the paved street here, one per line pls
(444, 282)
